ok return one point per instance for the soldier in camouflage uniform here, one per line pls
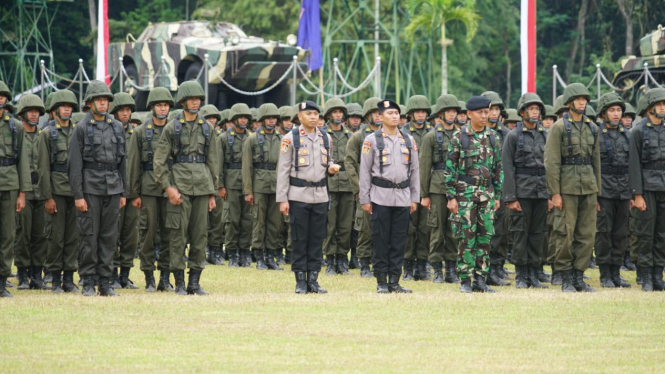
(417, 249)
(525, 190)
(352, 166)
(473, 188)
(614, 198)
(572, 164)
(354, 121)
(432, 159)
(146, 193)
(260, 154)
(121, 108)
(236, 215)
(31, 245)
(499, 252)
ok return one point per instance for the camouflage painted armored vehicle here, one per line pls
(246, 62)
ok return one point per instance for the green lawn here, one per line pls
(253, 322)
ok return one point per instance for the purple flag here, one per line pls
(309, 32)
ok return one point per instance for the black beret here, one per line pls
(387, 104)
(478, 102)
(308, 105)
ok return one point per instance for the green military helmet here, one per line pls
(285, 112)
(527, 99)
(370, 105)
(294, 114)
(445, 102)
(494, 98)
(609, 99)
(591, 113)
(332, 104)
(354, 109)
(641, 106)
(63, 97)
(122, 99)
(97, 89)
(268, 110)
(9, 107)
(655, 96)
(433, 114)
(4, 91)
(512, 116)
(418, 102)
(254, 114)
(402, 111)
(160, 95)
(224, 114)
(239, 110)
(48, 101)
(30, 101)
(136, 118)
(630, 111)
(462, 107)
(573, 91)
(211, 111)
(78, 117)
(558, 105)
(550, 112)
(188, 90)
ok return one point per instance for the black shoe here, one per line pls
(56, 282)
(465, 285)
(592, 263)
(393, 285)
(3, 289)
(342, 264)
(647, 278)
(606, 277)
(270, 261)
(280, 257)
(248, 258)
(364, 268)
(9, 284)
(533, 278)
(421, 272)
(88, 286)
(409, 266)
(313, 284)
(233, 258)
(578, 282)
(557, 279)
(438, 272)
(68, 284)
(115, 279)
(567, 280)
(149, 281)
(214, 258)
(627, 263)
(125, 282)
(164, 282)
(179, 276)
(657, 274)
(521, 277)
(36, 281)
(260, 262)
(382, 283)
(244, 258)
(105, 288)
(504, 272)
(493, 277)
(542, 276)
(331, 269)
(48, 278)
(193, 287)
(301, 283)
(23, 279)
(451, 272)
(479, 284)
(617, 279)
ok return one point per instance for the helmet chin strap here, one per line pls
(97, 112)
(659, 116)
(419, 123)
(615, 124)
(337, 122)
(449, 123)
(238, 125)
(64, 118)
(154, 114)
(190, 111)
(493, 120)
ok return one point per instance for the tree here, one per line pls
(626, 7)
(431, 15)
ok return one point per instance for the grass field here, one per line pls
(253, 322)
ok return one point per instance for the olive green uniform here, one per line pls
(499, 250)
(215, 225)
(352, 166)
(128, 222)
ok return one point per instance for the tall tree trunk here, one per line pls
(581, 16)
(508, 77)
(626, 7)
(444, 61)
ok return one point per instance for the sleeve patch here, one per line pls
(367, 147)
(286, 145)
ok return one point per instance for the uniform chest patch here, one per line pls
(286, 144)
(367, 148)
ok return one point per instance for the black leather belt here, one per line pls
(233, 165)
(658, 165)
(379, 182)
(61, 168)
(536, 172)
(475, 181)
(7, 161)
(191, 159)
(297, 182)
(439, 166)
(100, 166)
(576, 161)
(265, 166)
(148, 166)
(610, 169)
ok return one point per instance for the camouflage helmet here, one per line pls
(609, 99)
(573, 91)
(4, 91)
(445, 102)
(558, 105)
(254, 114)
(285, 112)
(402, 111)
(590, 112)
(210, 111)
(641, 106)
(494, 98)
(462, 107)
(549, 112)
(528, 99)
(122, 99)
(370, 105)
(268, 110)
(136, 118)
(354, 109)
(418, 102)
(159, 95)
(97, 89)
(48, 101)
(188, 90)
(630, 111)
(239, 110)
(63, 97)
(332, 104)
(512, 115)
(30, 101)
(655, 96)
(78, 117)
(224, 114)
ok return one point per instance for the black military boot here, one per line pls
(248, 258)
(393, 285)
(567, 280)
(606, 277)
(647, 278)
(313, 284)
(23, 279)
(521, 277)
(578, 282)
(592, 263)
(438, 272)
(242, 258)
(342, 264)
(36, 281)
(9, 284)
(149, 281)
(354, 264)
(557, 279)
(125, 282)
(233, 258)
(409, 270)
(479, 284)
(3, 288)
(270, 261)
(279, 257)
(451, 272)
(627, 263)
(493, 277)
(213, 258)
(193, 287)
(542, 276)
(105, 287)
(115, 279)
(48, 278)
(421, 272)
(504, 272)
(68, 284)
(533, 278)
(179, 276)
(465, 285)
(260, 263)
(164, 282)
(301, 282)
(615, 273)
(658, 284)
(382, 283)
(364, 268)
(331, 269)
(56, 282)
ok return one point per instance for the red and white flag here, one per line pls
(102, 42)
(528, 45)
